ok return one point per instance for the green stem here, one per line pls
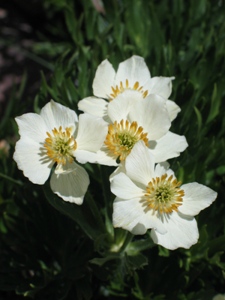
(128, 239)
(39, 60)
(105, 185)
(95, 212)
(107, 197)
(11, 179)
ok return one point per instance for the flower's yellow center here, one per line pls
(122, 137)
(163, 194)
(60, 145)
(118, 89)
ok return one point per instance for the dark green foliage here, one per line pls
(50, 249)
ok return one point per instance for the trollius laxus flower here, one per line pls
(56, 138)
(147, 120)
(132, 75)
(150, 197)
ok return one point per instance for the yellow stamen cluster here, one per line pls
(118, 89)
(60, 145)
(122, 137)
(163, 194)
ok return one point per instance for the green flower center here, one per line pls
(127, 140)
(164, 194)
(61, 147)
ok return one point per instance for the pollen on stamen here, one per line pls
(118, 89)
(122, 137)
(60, 145)
(163, 194)
(136, 85)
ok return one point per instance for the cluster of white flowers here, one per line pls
(125, 124)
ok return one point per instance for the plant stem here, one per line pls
(107, 197)
(11, 179)
(128, 239)
(95, 212)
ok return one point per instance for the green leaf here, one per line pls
(215, 105)
(83, 215)
(137, 246)
(100, 261)
(164, 252)
(137, 261)
(73, 24)
(199, 118)
(216, 245)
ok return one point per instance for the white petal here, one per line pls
(35, 165)
(94, 106)
(163, 168)
(126, 214)
(161, 86)
(32, 126)
(118, 170)
(168, 146)
(131, 215)
(134, 69)
(139, 164)
(56, 115)
(103, 81)
(60, 169)
(71, 186)
(219, 297)
(104, 158)
(139, 229)
(196, 198)
(181, 232)
(91, 133)
(65, 169)
(123, 187)
(119, 108)
(173, 109)
(151, 113)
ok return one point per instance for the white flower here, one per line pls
(219, 297)
(146, 120)
(55, 137)
(150, 197)
(132, 74)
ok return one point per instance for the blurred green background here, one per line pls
(50, 49)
